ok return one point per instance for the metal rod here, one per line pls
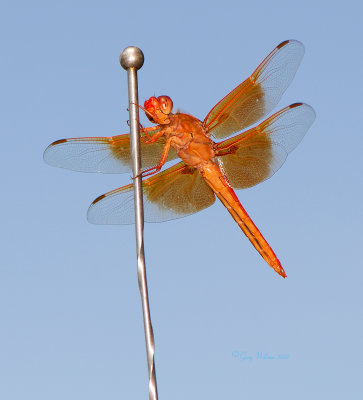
(132, 59)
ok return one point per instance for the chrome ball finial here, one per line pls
(132, 57)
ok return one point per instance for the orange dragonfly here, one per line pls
(208, 168)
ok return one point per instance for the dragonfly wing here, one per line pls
(102, 154)
(257, 95)
(255, 155)
(174, 193)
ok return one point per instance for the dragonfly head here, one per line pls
(157, 109)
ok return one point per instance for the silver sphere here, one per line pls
(132, 57)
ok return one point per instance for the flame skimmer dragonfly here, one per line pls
(208, 168)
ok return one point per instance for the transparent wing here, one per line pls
(102, 154)
(174, 193)
(257, 95)
(255, 155)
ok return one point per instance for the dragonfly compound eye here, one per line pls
(166, 104)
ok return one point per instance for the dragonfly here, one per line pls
(207, 168)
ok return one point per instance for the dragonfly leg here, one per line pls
(149, 171)
(151, 139)
(157, 168)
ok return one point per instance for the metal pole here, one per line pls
(131, 60)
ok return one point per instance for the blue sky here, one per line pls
(71, 324)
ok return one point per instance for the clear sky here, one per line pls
(70, 312)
